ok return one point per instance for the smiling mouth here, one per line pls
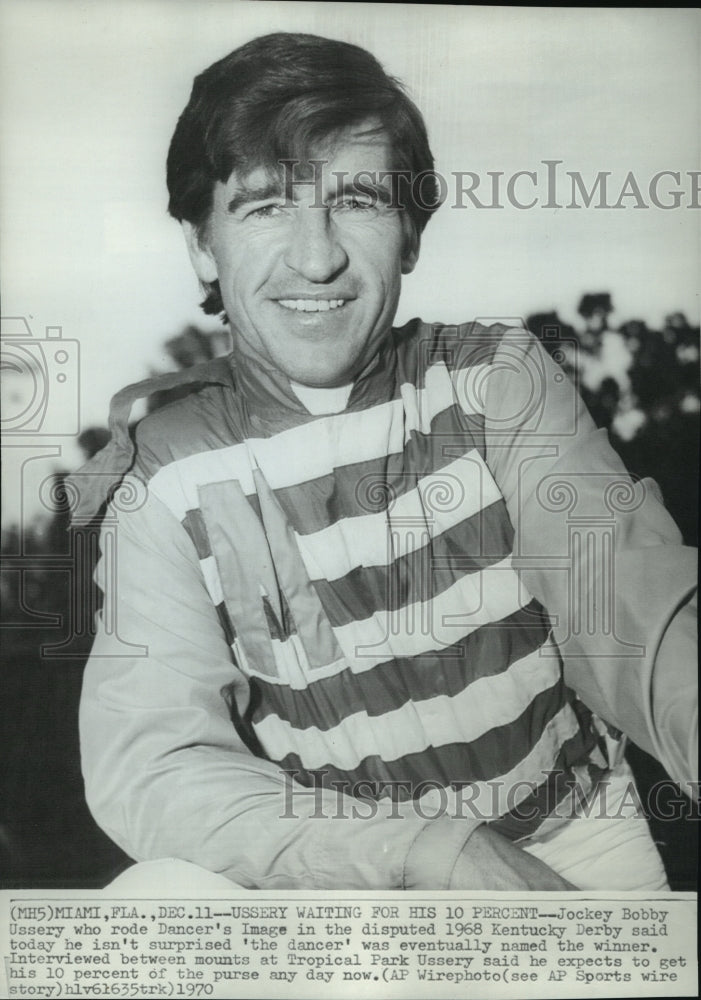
(312, 305)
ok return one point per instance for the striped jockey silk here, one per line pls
(360, 565)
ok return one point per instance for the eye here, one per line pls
(265, 211)
(356, 203)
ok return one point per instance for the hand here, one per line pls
(490, 861)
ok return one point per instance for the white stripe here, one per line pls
(176, 484)
(441, 390)
(473, 601)
(488, 800)
(211, 579)
(311, 450)
(349, 438)
(441, 501)
(421, 406)
(415, 726)
(316, 449)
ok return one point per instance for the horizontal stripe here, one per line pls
(554, 793)
(314, 449)
(324, 703)
(531, 785)
(524, 813)
(373, 486)
(473, 601)
(352, 437)
(418, 575)
(431, 505)
(487, 703)
(360, 594)
(498, 754)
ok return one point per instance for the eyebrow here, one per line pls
(248, 195)
(365, 187)
(273, 190)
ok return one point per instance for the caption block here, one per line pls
(306, 947)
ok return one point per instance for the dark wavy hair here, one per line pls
(276, 98)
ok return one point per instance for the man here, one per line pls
(352, 570)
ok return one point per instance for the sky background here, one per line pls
(91, 92)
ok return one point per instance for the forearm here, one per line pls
(236, 814)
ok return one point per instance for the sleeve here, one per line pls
(600, 552)
(166, 774)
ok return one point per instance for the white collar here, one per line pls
(322, 400)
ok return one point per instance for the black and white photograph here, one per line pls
(350, 433)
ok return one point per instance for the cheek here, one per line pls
(236, 278)
(235, 256)
(388, 273)
(383, 265)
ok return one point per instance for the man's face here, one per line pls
(311, 282)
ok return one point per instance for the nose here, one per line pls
(313, 248)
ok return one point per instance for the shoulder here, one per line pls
(457, 346)
(197, 421)
(192, 411)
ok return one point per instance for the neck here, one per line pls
(273, 398)
(322, 400)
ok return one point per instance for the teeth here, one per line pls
(312, 305)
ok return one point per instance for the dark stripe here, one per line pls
(525, 818)
(274, 626)
(370, 487)
(477, 542)
(486, 652)
(455, 764)
(288, 622)
(193, 522)
(458, 347)
(226, 623)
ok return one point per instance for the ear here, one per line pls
(410, 253)
(200, 254)
(409, 260)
